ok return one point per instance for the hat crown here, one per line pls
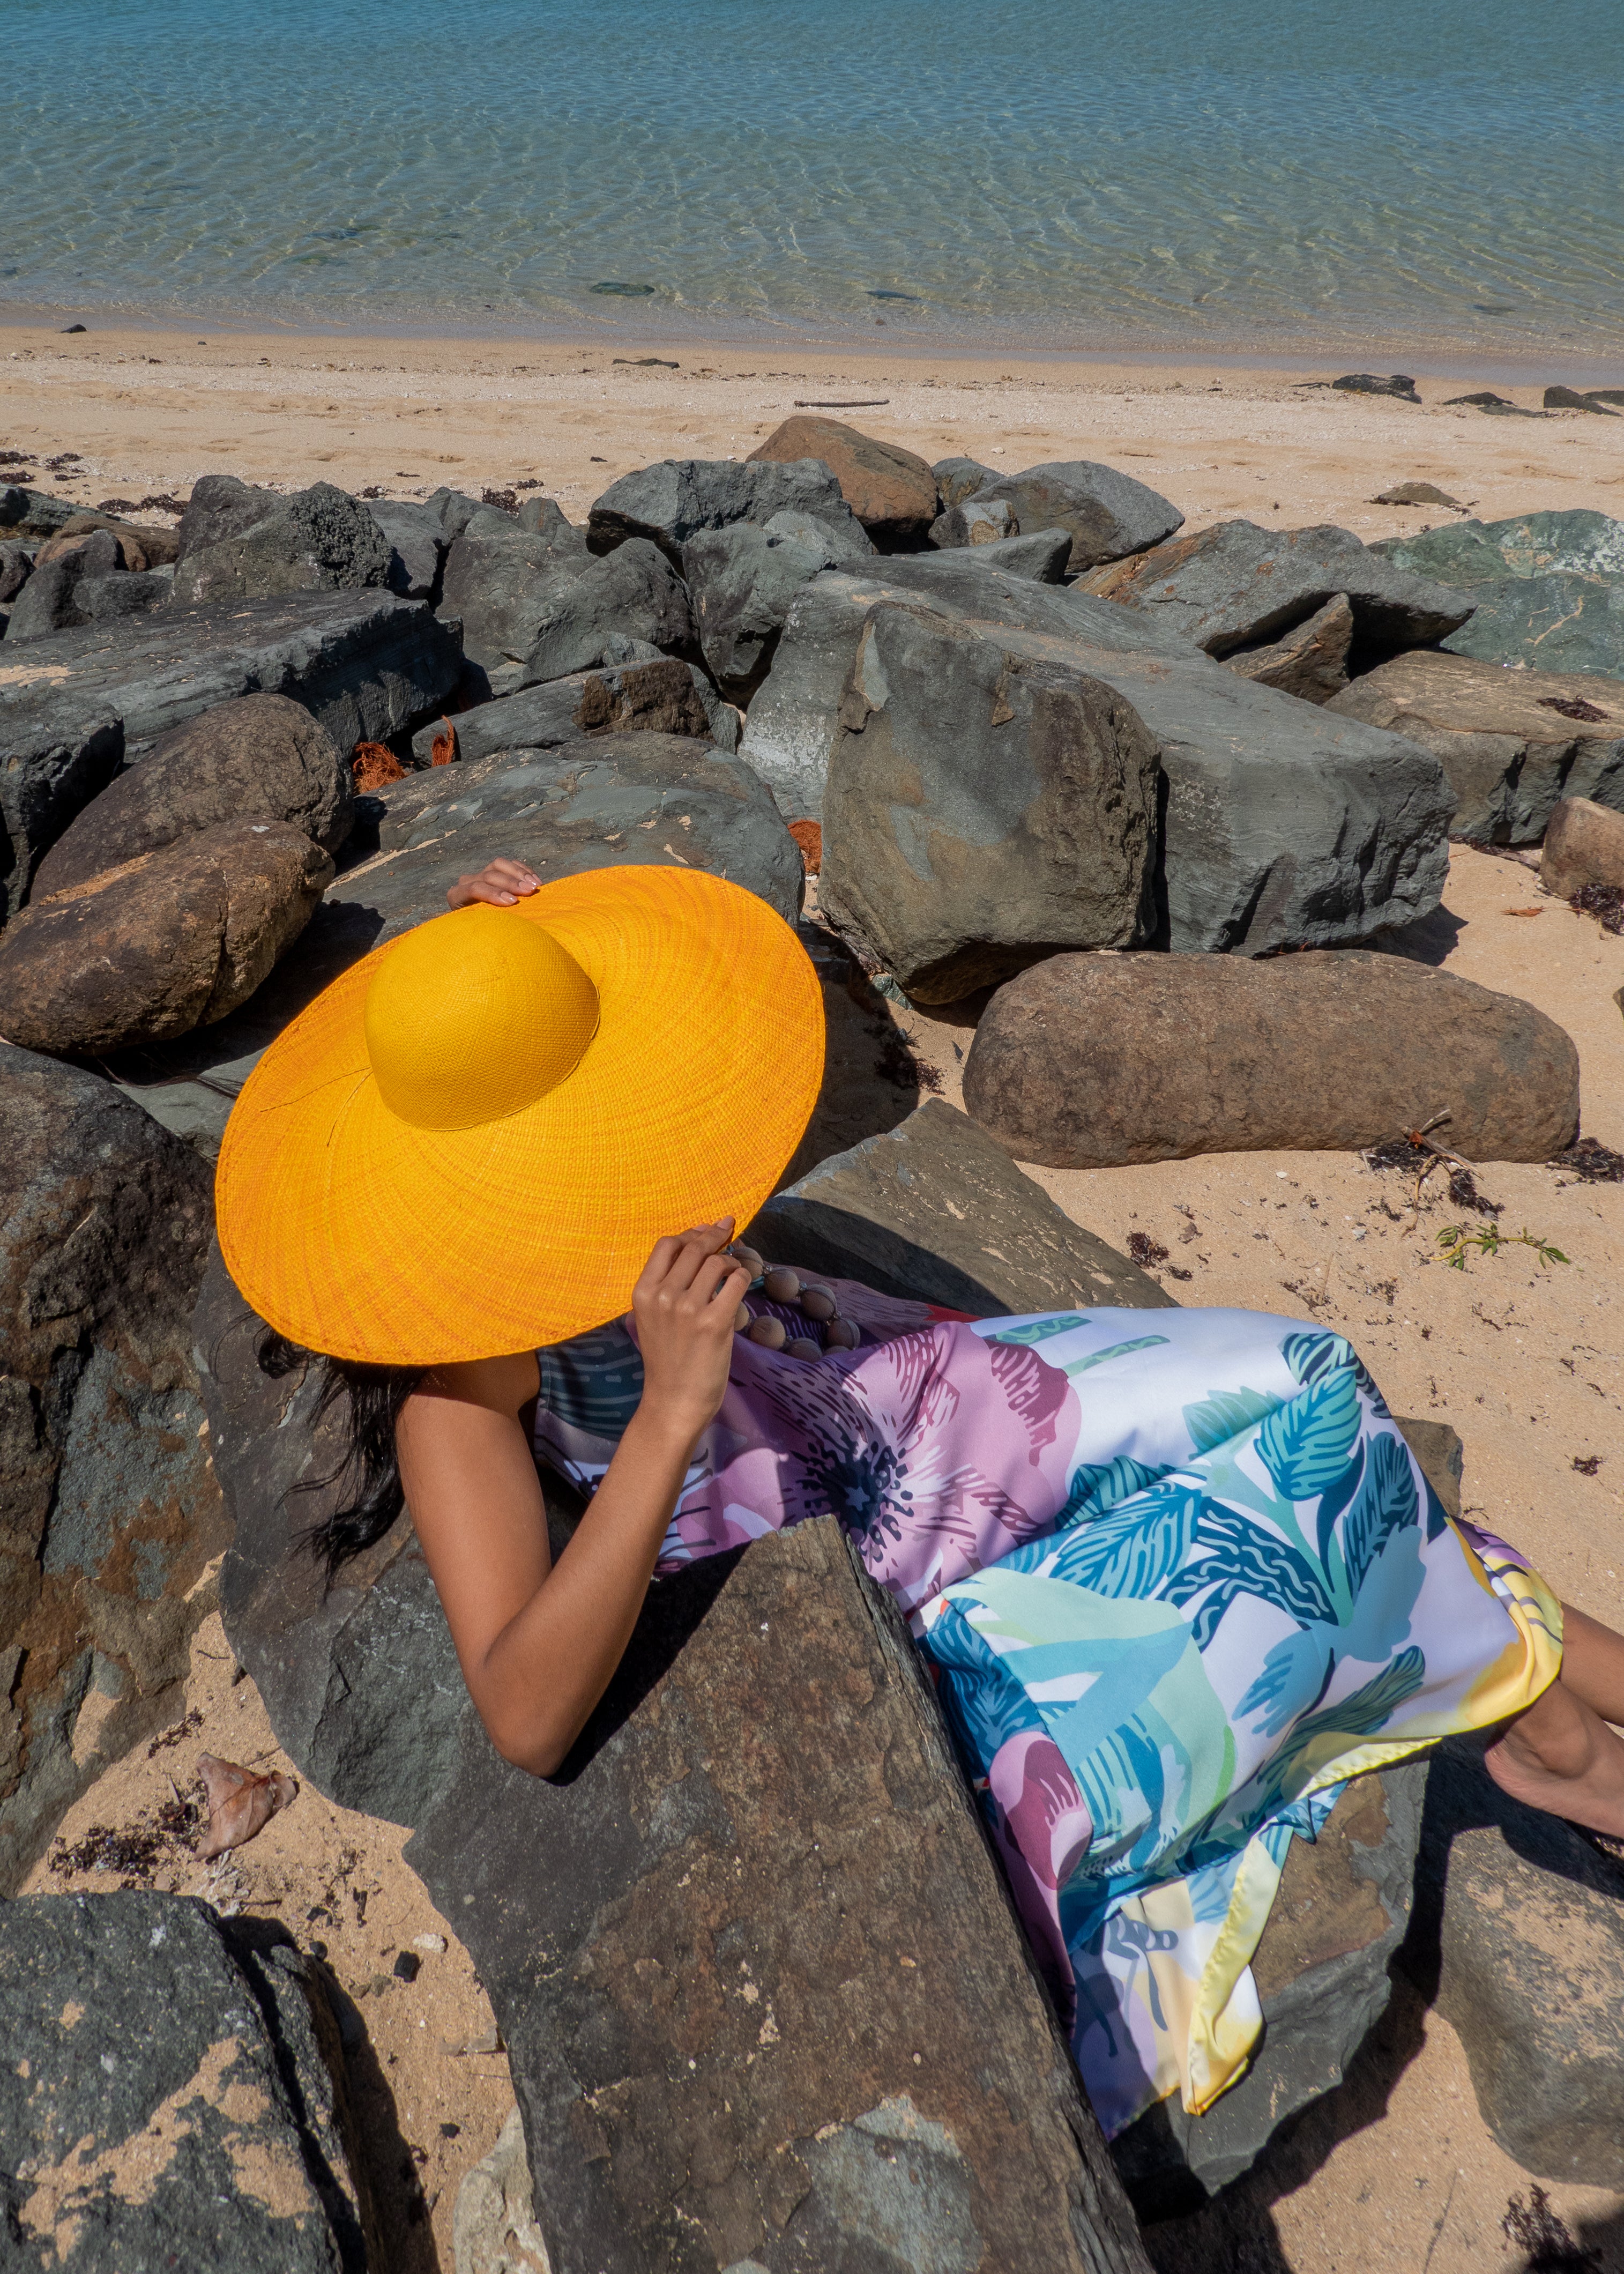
(474, 1016)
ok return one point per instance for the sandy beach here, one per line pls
(148, 410)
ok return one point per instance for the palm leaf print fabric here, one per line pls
(1177, 1577)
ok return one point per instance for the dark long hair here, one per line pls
(367, 1400)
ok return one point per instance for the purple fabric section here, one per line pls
(1043, 1831)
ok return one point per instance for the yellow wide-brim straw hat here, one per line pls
(468, 1145)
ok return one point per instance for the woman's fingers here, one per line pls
(676, 1261)
(500, 883)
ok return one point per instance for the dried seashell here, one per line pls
(769, 1333)
(818, 1303)
(742, 1320)
(841, 1334)
(753, 1263)
(240, 1802)
(802, 1347)
(781, 1285)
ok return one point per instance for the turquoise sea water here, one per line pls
(1261, 174)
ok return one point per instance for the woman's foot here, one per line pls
(1561, 1757)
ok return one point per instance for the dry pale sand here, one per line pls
(149, 411)
(1525, 1360)
(336, 1881)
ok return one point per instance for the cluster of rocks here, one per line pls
(1052, 746)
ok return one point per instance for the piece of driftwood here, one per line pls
(766, 2003)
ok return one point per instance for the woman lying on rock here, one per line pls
(1176, 1572)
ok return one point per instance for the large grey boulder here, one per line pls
(54, 758)
(320, 539)
(16, 567)
(1091, 1061)
(740, 582)
(764, 2105)
(110, 1513)
(1284, 826)
(1518, 1938)
(1308, 662)
(985, 806)
(173, 2093)
(496, 585)
(1511, 743)
(1235, 585)
(662, 697)
(417, 542)
(365, 665)
(128, 593)
(168, 941)
(792, 719)
(935, 1211)
(634, 594)
(1578, 542)
(1564, 623)
(1109, 515)
(958, 478)
(260, 759)
(49, 601)
(672, 502)
(977, 522)
(33, 512)
(1321, 1974)
(644, 799)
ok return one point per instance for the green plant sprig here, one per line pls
(1455, 1241)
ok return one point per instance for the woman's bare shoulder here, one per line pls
(503, 1385)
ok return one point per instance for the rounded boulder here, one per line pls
(893, 493)
(261, 757)
(170, 940)
(1093, 1061)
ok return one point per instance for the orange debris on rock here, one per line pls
(444, 745)
(810, 836)
(373, 764)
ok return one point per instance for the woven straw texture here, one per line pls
(358, 1232)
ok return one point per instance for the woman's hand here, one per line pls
(501, 883)
(685, 1305)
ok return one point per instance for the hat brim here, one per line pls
(354, 1233)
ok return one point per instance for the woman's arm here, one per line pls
(539, 1642)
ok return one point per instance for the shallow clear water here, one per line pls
(1261, 174)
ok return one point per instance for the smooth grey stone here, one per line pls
(54, 757)
(497, 587)
(1284, 825)
(985, 806)
(740, 581)
(1558, 623)
(454, 509)
(1109, 515)
(657, 694)
(319, 539)
(634, 593)
(418, 543)
(1518, 1940)
(126, 593)
(220, 505)
(112, 1513)
(1235, 584)
(673, 501)
(188, 2072)
(31, 513)
(1308, 662)
(1321, 1970)
(936, 1211)
(958, 478)
(1506, 740)
(16, 567)
(49, 601)
(978, 521)
(364, 664)
(834, 529)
